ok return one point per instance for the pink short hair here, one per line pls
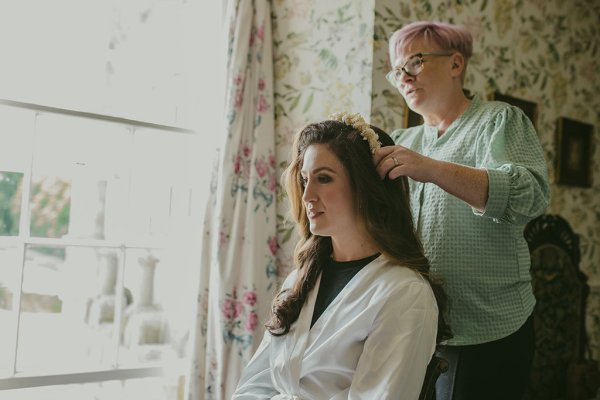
(448, 37)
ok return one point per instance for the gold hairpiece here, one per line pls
(358, 122)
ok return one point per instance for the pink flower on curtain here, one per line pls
(240, 317)
(223, 239)
(252, 35)
(273, 244)
(260, 32)
(262, 104)
(272, 184)
(250, 298)
(239, 99)
(237, 164)
(231, 308)
(251, 321)
(238, 80)
(261, 167)
(261, 84)
(242, 168)
(265, 186)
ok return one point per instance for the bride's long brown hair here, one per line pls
(383, 205)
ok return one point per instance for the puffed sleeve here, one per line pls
(510, 151)
(399, 347)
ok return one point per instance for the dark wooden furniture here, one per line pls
(436, 366)
(559, 317)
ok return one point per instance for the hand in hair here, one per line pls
(395, 161)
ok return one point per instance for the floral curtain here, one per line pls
(238, 272)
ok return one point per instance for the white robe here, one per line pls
(373, 342)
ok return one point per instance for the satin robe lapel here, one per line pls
(354, 283)
(299, 339)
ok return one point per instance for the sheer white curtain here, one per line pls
(238, 271)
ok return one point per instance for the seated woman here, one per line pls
(358, 317)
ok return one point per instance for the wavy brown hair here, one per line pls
(382, 204)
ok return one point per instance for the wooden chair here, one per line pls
(435, 368)
(561, 291)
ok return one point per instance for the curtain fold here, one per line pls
(238, 271)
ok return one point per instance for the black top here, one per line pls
(335, 276)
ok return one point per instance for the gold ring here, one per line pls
(396, 163)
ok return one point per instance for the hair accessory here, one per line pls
(358, 122)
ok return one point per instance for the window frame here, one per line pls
(21, 380)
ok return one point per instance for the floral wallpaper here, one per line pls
(331, 55)
(323, 56)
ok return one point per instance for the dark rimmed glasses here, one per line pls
(412, 67)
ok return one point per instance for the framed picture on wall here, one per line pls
(573, 152)
(528, 107)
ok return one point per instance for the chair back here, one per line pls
(435, 368)
(561, 292)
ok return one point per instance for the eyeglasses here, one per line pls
(412, 67)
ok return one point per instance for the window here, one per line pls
(103, 173)
(96, 247)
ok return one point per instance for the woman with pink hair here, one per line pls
(477, 175)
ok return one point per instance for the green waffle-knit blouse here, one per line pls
(482, 257)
